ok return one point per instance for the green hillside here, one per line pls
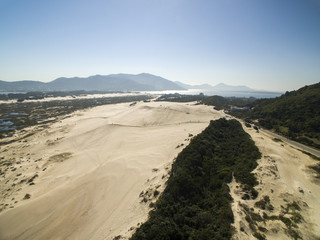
(295, 114)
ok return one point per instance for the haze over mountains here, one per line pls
(218, 87)
(113, 82)
(120, 82)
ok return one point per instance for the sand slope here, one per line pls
(94, 170)
(284, 175)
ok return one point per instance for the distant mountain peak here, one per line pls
(226, 87)
(221, 85)
(146, 74)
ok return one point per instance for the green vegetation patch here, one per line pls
(27, 196)
(220, 103)
(196, 203)
(264, 204)
(176, 97)
(316, 168)
(259, 236)
(291, 217)
(60, 157)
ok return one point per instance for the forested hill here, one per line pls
(295, 114)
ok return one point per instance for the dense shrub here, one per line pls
(196, 201)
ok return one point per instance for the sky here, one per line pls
(264, 44)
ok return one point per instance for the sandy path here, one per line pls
(92, 168)
(284, 175)
(293, 143)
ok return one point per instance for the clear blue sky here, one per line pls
(264, 44)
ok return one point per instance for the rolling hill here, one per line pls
(295, 114)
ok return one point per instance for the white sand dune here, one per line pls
(92, 168)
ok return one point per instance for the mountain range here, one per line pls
(113, 82)
(221, 87)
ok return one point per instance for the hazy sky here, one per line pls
(264, 44)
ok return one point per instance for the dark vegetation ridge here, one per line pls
(196, 203)
(218, 102)
(223, 103)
